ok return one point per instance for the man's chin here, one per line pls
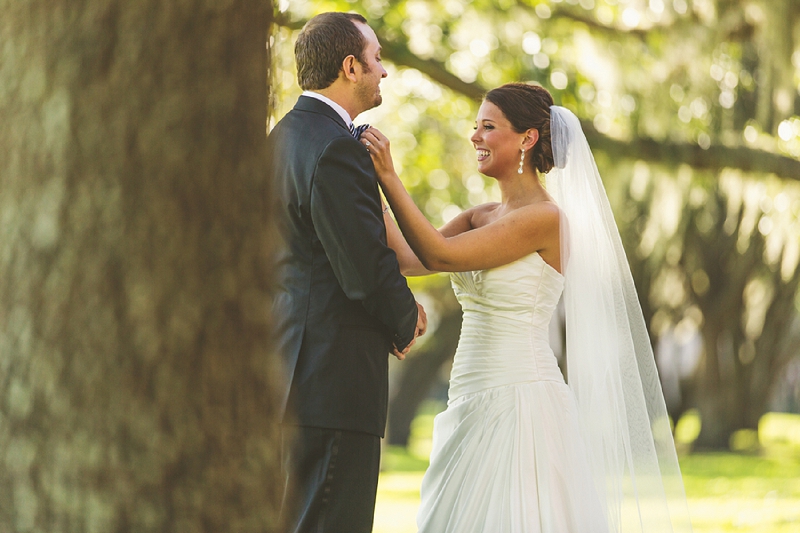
(374, 103)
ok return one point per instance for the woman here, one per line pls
(517, 450)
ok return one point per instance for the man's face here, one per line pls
(368, 91)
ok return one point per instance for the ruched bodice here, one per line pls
(504, 335)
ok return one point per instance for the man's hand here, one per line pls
(422, 327)
(422, 321)
(402, 355)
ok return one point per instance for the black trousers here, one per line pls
(331, 480)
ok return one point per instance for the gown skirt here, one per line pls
(508, 454)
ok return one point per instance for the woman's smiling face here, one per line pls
(497, 144)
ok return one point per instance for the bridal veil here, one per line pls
(610, 363)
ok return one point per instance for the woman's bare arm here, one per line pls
(519, 233)
(410, 265)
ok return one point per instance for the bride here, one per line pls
(517, 449)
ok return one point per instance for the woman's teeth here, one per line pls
(482, 154)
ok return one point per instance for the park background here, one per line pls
(692, 109)
(138, 378)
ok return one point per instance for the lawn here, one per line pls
(757, 491)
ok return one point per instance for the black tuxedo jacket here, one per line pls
(341, 299)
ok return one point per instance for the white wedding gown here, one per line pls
(507, 452)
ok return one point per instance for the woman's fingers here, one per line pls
(369, 137)
(375, 137)
(378, 147)
(370, 141)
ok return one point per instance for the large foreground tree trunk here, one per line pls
(136, 369)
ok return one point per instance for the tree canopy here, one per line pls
(708, 84)
(692, 108)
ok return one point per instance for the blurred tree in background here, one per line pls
(693, 110)
(136, 371)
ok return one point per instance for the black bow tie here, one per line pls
(356, 131)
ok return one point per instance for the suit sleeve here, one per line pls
(346, 211)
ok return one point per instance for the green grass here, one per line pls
(730, 492)
(753, 492)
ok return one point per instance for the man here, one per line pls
(342, 304)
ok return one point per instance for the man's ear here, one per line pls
(350, 67)
(530, 139)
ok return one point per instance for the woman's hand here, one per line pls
(378, 147)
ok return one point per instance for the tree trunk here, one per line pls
(715, 430)
(740, 365)
(136, 372)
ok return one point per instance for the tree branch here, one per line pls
(593, 23)
(715, 158)
(689, 20)
(285, 21)
(399, 54)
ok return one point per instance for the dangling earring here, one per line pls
(521, 161)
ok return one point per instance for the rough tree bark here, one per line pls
(136, 373)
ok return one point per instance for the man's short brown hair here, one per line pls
(322, 46)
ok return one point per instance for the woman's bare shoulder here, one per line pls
(544, 216)
(539, 211)
(544, 208)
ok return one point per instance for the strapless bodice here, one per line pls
(504, 333)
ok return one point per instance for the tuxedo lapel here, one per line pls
(312, 105)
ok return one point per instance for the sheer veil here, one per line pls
(610, 363)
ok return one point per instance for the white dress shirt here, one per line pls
(336, 107)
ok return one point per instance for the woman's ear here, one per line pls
(349, 68)
(530, 139)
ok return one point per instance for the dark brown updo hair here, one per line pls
(528, 106)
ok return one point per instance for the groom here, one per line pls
(342, 304)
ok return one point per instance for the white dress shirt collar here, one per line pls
(336, 107)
